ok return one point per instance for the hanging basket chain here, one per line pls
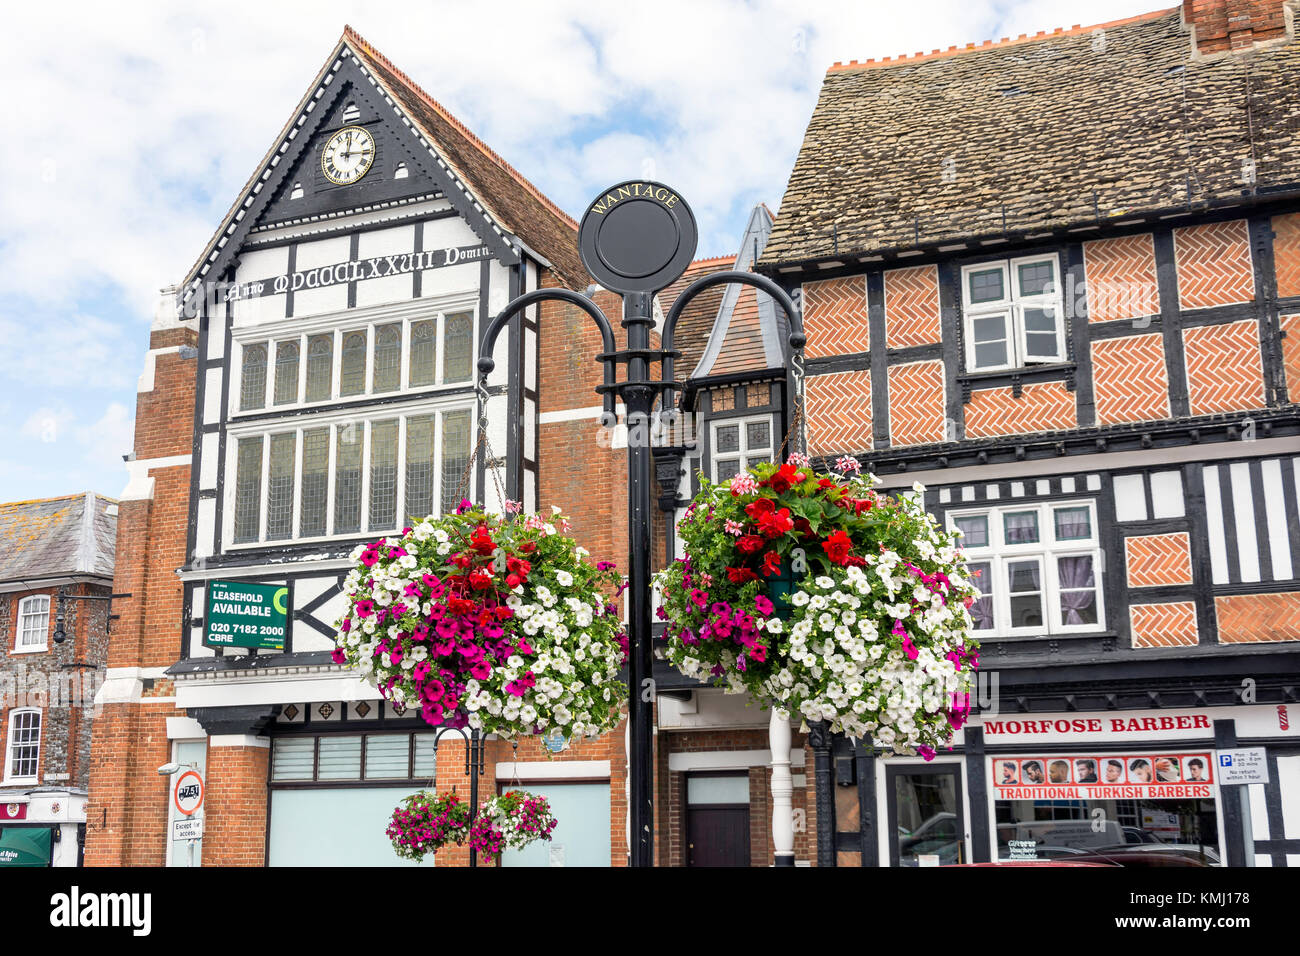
(797, 419)
(482, 445)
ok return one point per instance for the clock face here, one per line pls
(348, 155)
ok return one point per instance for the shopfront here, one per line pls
(42, 827)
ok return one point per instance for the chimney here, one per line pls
(1220, 25)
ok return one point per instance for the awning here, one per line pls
(25, 846)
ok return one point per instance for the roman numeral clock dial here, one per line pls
(347, 155)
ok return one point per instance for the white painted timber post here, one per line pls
(782, 790)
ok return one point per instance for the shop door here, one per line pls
(581, 834)
(926, 823)
(717, 836)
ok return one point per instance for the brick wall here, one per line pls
(835, 317)
(1045, 406)
(912, 307)
(1129, 379)
(1223, 25)
(1258, 618)
(916, 403)
(1163, 625)
(1214, 265)
(235, 804)
(1286, 253)
(1121, 277)
(1224, 369)
(1158, 559)
(839, 412)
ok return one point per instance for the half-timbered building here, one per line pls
(1055, 281)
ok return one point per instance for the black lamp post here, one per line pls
(635, 239)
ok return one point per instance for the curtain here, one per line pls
(1022, 528)
(1071, 524)
(1076, 574)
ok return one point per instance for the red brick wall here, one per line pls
(235, 804)
(1224, 370)
(1041, 407)
(1214, 265)
(916, 403)
(1153, 560)
(1163, 625)
(1290, 325)
(835, 316)
(912, 306)
(839, 412)
(1130, 382)
(1286, 253)
(1121, 278)
(1258, 618)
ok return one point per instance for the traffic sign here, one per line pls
(1243, 766)
(188, 792)
(191, 828)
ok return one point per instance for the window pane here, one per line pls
(974, 530)
(387, 756)
(724, 399)
(458, 347)
(760, 459)
(1073, 524)
(981, 611)
(248, 490)
(989, 328)
(758, 435)
(315, 481)
(252, 385)
(347, 480)
(353, 373)
(279, 505)
(388, 358)
(293, 758)
(756, 396)
(286, 373)
(455, 458)
(1024, 581)
(986, 285)
(424, 353)
(320, 368)
(1037, 278)
(1021, 527)
(728, 468)
(1078, 590)
(340, 758)
(419, 468)
(426, 754)
(25, 744)
(383, 475)
(728, 439)
(990, 355)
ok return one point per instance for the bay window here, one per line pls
(1038, 567)
(1013, 313)
(350, 476)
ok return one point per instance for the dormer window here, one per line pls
(1013, 313)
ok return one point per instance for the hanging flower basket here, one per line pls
(817, 595)
(496, 623)
(425, 822)
(511, 821)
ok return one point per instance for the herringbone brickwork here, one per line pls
(1286, 253)
(835, 317)
(912, 307)
(1163, 625)
(1042, 407)
(916, 403)
(1214, 266)
(1253, 618)
(839, 413)
(1129, 379)
(1156, 559)
(1121, 278)
(1224, 371)
(1291, 355)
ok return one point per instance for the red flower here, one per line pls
(837, 547)
(771, 564)
(528, 547)
(759, 507)
(802, 526)
(518, 568)
(785, 476)
(480, 580)
(750, 543)
(481, 541)
(773, 525)
(459, 605)
(740, 575)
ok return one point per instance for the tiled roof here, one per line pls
(1053, 131)
(57, 536)
(515, 203)
(696, 322)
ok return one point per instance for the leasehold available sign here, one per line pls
(242, 614)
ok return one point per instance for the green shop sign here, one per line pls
(242, 614)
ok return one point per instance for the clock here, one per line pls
(347, 155)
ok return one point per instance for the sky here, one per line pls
(136, 126)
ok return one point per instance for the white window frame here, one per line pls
(266, 431)
(1013, 304)
(271, 334)
(11, 733)
(744, 452)
(998, 554)
(24, 611)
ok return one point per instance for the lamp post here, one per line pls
(636, 239)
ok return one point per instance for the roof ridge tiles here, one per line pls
(954, 50)
(352, 37)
